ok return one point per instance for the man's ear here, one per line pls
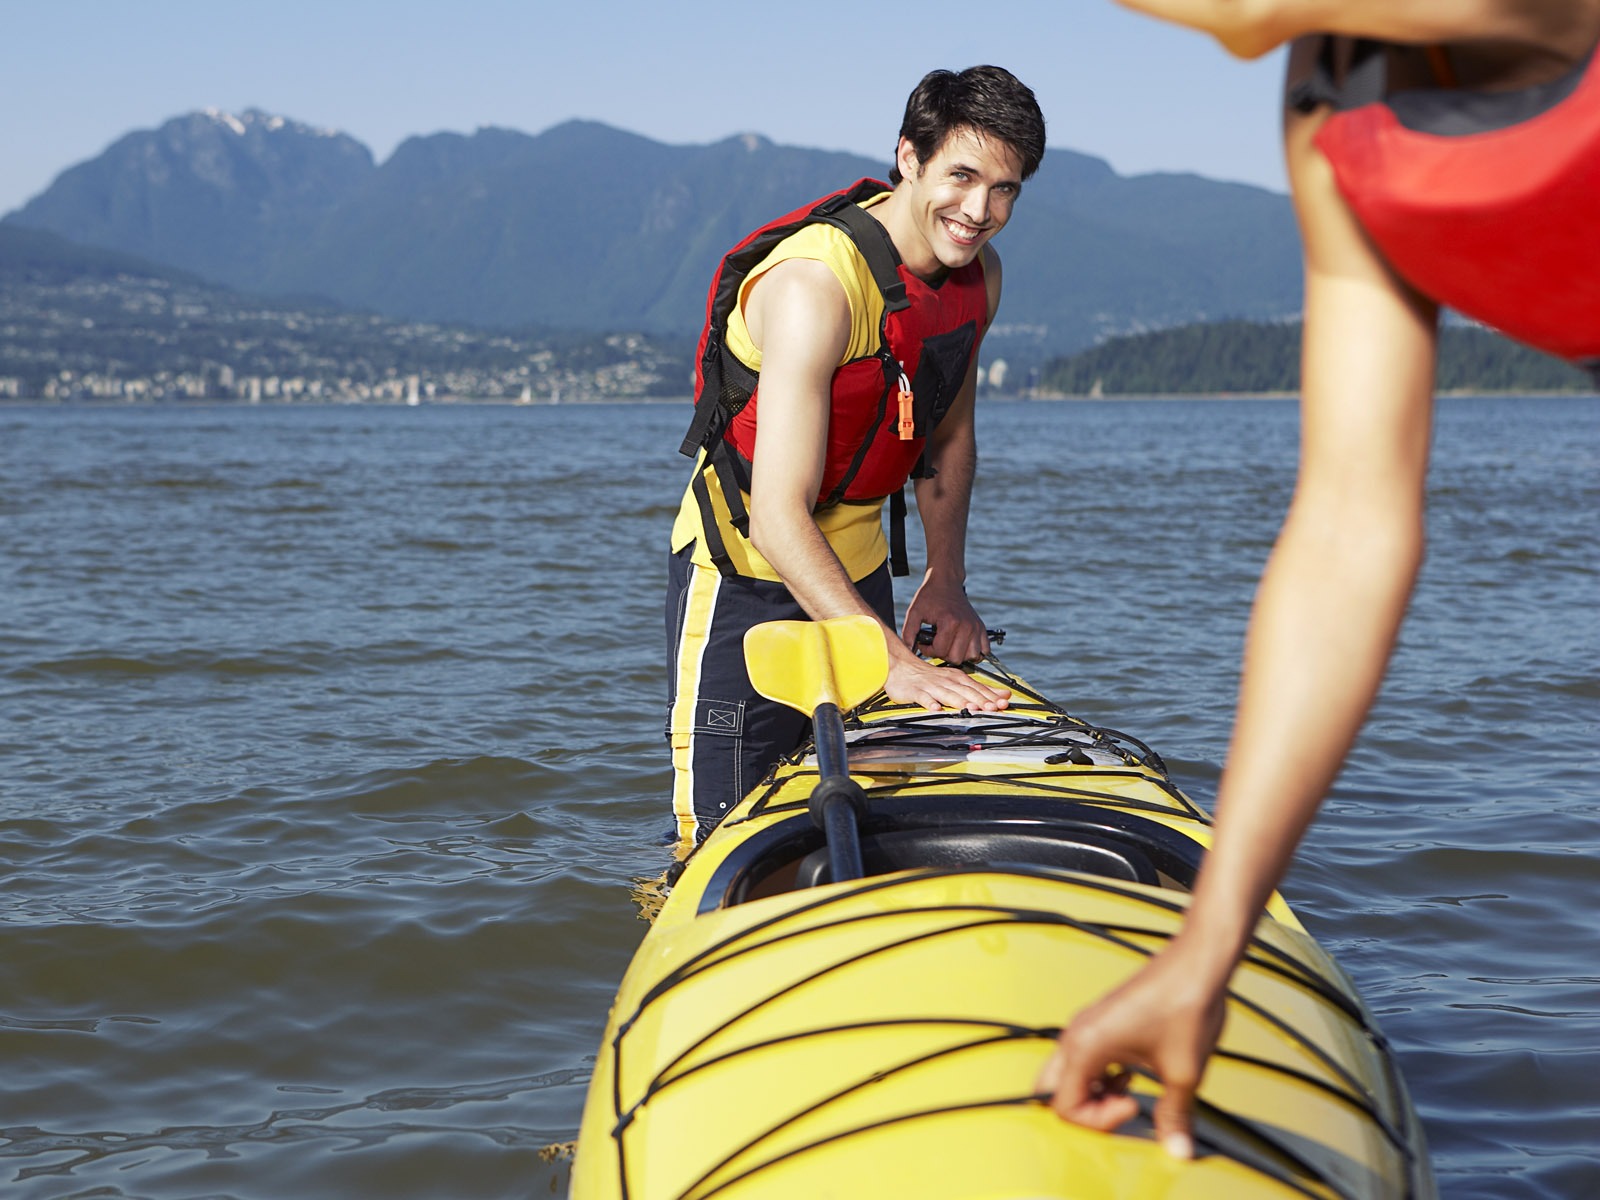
(905, 157)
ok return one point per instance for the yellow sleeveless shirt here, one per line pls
(854, 531)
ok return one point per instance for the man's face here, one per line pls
(959, 198)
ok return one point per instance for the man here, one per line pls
(1383, 185)
(840, 359)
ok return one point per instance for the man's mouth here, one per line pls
(959, 231)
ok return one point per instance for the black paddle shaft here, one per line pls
(837, 802)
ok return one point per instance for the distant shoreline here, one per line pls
(1452, 394)
(686, 401)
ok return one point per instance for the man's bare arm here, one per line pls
(800, 318)
(1325, 620)
(943, 504)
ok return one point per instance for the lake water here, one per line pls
(330, 745)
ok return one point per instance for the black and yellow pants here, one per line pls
(725, 737)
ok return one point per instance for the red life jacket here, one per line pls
(1487, 203)
(926, 341)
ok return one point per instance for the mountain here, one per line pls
(212, 193)
(584, 226)
(37, 256)
(589, 227)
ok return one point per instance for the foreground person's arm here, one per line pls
(1325, 618)
(1251, 28)
(800, 318)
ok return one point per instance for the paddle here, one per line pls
(824, 668)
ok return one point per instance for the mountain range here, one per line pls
(588, 227)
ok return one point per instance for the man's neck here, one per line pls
(892, 215)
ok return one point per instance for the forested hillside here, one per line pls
(588, 228)
(1247, 356)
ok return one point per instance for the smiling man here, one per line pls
(840, 360)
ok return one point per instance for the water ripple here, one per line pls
(332, 743)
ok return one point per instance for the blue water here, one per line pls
(330, 744)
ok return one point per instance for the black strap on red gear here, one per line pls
(875, 245)
(734, 484)
(897, 533)
(1364, 81)
(713, 536)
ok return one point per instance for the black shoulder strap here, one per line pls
(875, 246)
(873, 240)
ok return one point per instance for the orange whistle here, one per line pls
(908, 423)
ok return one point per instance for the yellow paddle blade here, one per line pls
(803, 664)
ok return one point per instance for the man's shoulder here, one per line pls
(800, 279)
(818, 258)
(818, 239)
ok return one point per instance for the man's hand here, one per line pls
(959, 635)
(1166, 1019)
(913, 681)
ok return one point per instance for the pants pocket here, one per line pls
(708, 753)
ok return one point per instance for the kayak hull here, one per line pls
(780, 1034)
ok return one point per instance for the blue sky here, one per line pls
(77, 74)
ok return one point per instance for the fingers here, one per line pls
(1049, 1081)
(912, 627)
(939, 694)
(952, 689)
(935, 688)
(1105, 1112)
(959, 643)
(1093, 1096)
(1173, 1120)
(1155, 1021)
(958, 632)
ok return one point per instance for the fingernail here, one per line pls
(1179, 1145)
(1050, 1077)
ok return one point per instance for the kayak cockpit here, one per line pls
(942, 833)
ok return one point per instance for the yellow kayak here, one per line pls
(779, 1034)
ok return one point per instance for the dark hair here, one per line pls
(989, 100)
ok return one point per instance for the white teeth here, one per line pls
(960, 232)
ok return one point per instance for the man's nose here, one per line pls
(976, 206)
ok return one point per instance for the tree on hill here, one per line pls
(1224, 357)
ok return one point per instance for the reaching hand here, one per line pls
(959, 635)
(1166, 1020)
